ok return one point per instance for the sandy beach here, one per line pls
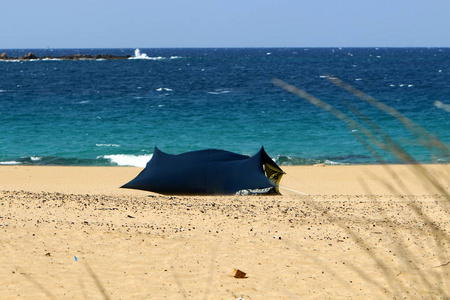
(337, 232)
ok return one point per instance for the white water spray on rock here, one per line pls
(139, 55)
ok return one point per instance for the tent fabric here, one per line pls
(207, 172)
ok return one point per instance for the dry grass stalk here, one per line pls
(375, 140)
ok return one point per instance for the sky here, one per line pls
(223, 23)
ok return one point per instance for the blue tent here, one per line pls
(208, 172)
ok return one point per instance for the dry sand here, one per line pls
(374, 232)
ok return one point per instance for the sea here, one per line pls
(115, 112)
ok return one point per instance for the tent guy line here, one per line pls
(285, 188)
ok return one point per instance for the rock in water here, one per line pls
(30, 56)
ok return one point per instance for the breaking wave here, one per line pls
(10, 162)
(139, 55)
(283, 160)
(142, 160)
(128, 160)
(107, 145)
(104, 160)
(55, 161)
(219, 92)
(164, 90)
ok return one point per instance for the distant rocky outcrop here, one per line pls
(30, 55)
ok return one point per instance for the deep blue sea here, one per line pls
(114, 112)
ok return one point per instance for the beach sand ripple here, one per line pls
(73, 246)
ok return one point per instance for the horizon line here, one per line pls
(244, 47)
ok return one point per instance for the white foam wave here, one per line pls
(14, 60)
(35, 158)
(219, 92)
(148, 58)
(164, 89)
(330, 162)
(107, 145)
(12, 162)
(65, 59)
(128, 160)
(52, 59)
(139, 55)
(402, 85)
(442, 105)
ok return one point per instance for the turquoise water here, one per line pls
(114, 112)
